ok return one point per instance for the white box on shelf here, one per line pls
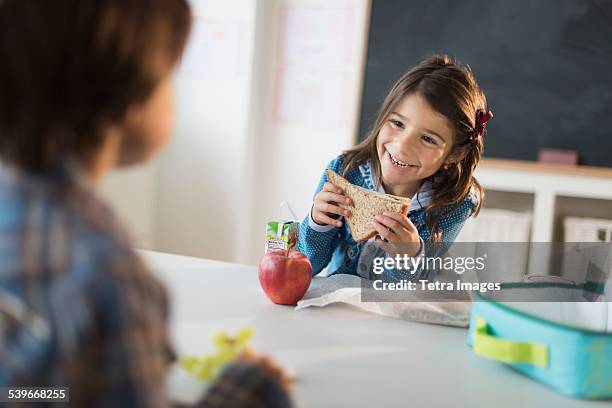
(495, 225)
(585, 232)
(577, 229)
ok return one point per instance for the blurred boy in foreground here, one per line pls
(85, 86)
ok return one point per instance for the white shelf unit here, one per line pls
(552, 191)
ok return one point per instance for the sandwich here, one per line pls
(366, 205)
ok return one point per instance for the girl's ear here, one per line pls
(456, 155)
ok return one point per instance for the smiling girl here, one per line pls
(425, 145)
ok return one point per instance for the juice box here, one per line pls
(282, 235)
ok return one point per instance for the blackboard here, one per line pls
(545, 66)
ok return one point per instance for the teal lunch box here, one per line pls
(564, 345)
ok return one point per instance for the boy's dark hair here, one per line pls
(70, 67)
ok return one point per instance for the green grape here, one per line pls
(244, 336)
(221, 338)
(225, 355)
(206, 368)
(189, 363)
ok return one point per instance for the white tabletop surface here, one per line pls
(341, 357)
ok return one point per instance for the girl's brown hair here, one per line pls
(452, 91)
(70, 67)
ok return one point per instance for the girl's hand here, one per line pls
(403, 237)
(325, 210)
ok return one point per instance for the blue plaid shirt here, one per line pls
(78, 307)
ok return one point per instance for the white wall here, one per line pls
(204, 175)
(132, 192)
(296, 154)
(230, 164)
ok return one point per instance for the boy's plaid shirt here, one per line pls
(78, 307)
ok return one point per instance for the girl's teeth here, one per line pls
(397, 162)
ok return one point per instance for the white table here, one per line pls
(342, 357)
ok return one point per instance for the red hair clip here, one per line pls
(482, 117)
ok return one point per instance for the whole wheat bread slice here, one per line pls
(366, 205)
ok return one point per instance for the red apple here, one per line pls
(285, 276)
